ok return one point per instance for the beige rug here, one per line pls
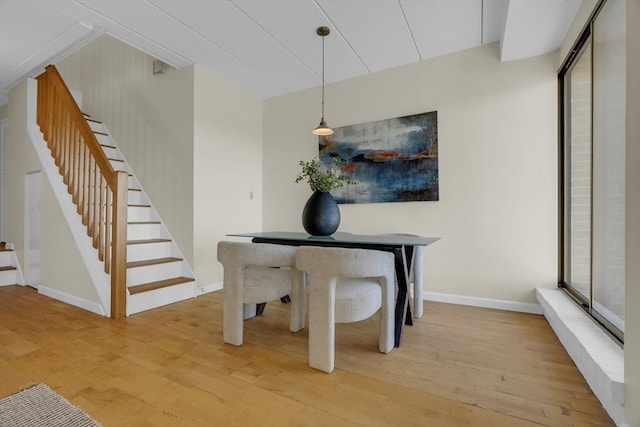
(39, 406)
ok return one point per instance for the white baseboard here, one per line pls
(91, 306)
(484, 302)
(205, 289)
(438, 297)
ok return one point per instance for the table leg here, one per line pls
(408, 252)
(402, 301)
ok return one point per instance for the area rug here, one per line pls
(39, 406)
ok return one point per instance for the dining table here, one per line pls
(401, 245)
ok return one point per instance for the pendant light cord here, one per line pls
(323, 129)
(323, 78)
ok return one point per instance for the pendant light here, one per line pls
(323, 129)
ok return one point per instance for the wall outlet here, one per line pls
(205, 289)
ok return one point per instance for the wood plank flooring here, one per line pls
(457, 366)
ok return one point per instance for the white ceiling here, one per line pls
(270, 47)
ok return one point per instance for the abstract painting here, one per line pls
(393, 160)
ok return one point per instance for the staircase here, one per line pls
(133, 261)
(8, 267)
(157, 273)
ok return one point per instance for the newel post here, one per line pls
(119, 247)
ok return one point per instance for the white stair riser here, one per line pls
(142, 251)
(119, 166)
(8, 277)
(96, 127)
(132, 183)
(104, 139)
(153, 273)
(159, 297)
(139, 213)
(107, 140)
(6, 259)
(136, 198)
(112, 153)
(144, 231)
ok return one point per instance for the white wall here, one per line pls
(57, 248)
(227, 168)
(497, 159)
(69, 69)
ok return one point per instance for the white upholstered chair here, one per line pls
(346, 285)
(256, 273)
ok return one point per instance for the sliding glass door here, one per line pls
(593, 87)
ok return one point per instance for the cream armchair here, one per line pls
(256, 273)
(346, 285)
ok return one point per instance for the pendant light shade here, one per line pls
(323, 129)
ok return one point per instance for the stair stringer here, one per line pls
(158, 297)
(95, 268)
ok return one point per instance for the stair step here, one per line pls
(133, 205)
(152, 262)
(113, 147)
(141, 242)
(100, 133)
(89, 119)
(144, 287)
(7, 268)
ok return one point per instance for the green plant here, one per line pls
(322, 178)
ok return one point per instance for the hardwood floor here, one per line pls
(457, 366)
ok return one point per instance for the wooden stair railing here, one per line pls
(98, 191)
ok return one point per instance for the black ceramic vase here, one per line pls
(321, 216)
